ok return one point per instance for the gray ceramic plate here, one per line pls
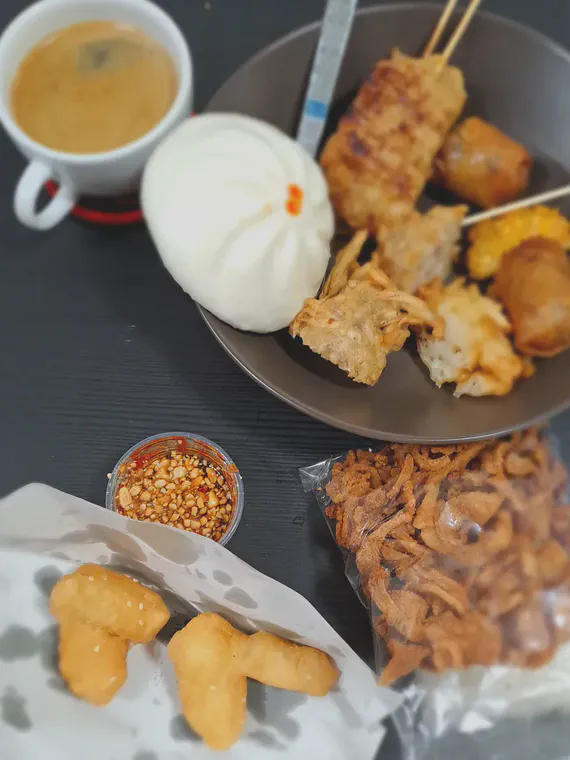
(516, 79)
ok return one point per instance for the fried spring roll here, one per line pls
(481, 164)
(533, 283)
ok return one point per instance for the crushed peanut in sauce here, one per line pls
(181, 490)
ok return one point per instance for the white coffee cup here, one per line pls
(111, 173)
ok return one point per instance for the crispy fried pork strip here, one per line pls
(463, 551)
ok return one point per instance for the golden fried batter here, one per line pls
(212, 688)
(100, 613)
(213, 661)
(359, 326)
(491, 239)
(112, 601)
(345, 265)
(92, 661)
(286, 665)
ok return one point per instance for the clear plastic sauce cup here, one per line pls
(157, 447)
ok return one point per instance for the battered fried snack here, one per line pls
(380, 157)
(112, 601)
(211, 685)
(422, 248)
(456, 546)
(359, 326)
(213, 661)
(481, 164)
(474, 352)
(533, 283)
(345, 266)
(286, 665)
(100, 613)
(491, 239)
(92, 661)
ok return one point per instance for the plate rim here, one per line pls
(283, 395)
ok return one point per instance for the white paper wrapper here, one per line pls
(45, 533)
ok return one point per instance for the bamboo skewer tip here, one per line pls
(457, 35)
(533, 200)
(440, 28)
(461, 29)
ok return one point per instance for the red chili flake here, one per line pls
(294, 203)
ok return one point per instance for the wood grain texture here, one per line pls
(100, 348)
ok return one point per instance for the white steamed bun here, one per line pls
(241, 218)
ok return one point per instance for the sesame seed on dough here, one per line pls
(97, 648)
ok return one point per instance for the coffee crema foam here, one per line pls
(93, 87)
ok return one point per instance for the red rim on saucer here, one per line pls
(116, 211)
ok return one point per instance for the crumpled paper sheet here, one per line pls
(45, 533)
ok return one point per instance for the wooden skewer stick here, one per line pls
(440, 28)
(461, 29)
(534, 200)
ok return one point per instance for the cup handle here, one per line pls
(28, 189)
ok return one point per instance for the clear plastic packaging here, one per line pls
(462, 556)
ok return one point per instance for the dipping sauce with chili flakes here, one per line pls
(184, 482)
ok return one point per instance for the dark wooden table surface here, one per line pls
(99, 348)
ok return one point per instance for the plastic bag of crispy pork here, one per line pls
(461, 553)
